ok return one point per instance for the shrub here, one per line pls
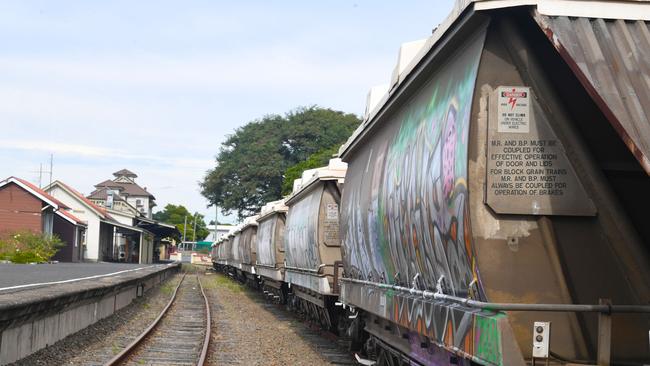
(29, 247)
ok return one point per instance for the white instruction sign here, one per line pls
(332, 211)
(514, 109)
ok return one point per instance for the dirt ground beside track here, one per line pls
(248, 331)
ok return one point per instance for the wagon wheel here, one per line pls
(385, 358)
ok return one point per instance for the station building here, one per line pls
(117, 231)
(25, 207)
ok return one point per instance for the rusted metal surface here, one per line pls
(208, 324)
(610, 58)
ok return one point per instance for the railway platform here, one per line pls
(41, 304)
(15, 277)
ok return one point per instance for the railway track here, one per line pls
(180, 334)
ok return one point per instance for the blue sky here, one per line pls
(155, 86)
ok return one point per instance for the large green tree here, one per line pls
(175, 215)
(251, 163)
(315, 160)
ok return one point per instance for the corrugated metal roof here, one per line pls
(622, 9)
(611, 58)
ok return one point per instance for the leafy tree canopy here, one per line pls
(251, 163)
(175, 215)
(316, 160)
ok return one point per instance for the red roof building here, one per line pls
(124, 194)
(26, 207)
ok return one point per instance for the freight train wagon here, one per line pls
(248, 251)
(213, 253)
(270, 250)
(218, 254)
(496, 199)
(311, 242)
(231, 253)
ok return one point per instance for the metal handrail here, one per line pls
(493, 306)
(310, 270)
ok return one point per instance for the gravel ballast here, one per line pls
(246, 330)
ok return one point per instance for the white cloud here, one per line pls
(271, 68)
(102, 152)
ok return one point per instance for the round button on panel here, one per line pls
(540, 329)
(539, 338)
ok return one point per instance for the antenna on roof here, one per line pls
(41, 171)
(51, 165)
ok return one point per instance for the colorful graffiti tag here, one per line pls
(405, 214)
(453, 329)
(301, 238)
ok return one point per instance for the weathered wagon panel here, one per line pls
(451, 190)
(311, 238)
(404, 216)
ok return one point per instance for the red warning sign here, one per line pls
(514, 109)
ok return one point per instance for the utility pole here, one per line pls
(40, 176)
(194, 232)
(216, 220)
(184, 228)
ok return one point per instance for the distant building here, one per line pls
(117, 234)
(123, 194)
(101, 224)
(24, 206)
(112, 224)
(220, 231)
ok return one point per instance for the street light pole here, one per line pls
(184, 228)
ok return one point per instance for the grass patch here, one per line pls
(222, 281)
(167, 288)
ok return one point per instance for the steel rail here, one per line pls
(132, 346)
(206, 339)
(129, 349)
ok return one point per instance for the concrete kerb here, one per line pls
(33, 319)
